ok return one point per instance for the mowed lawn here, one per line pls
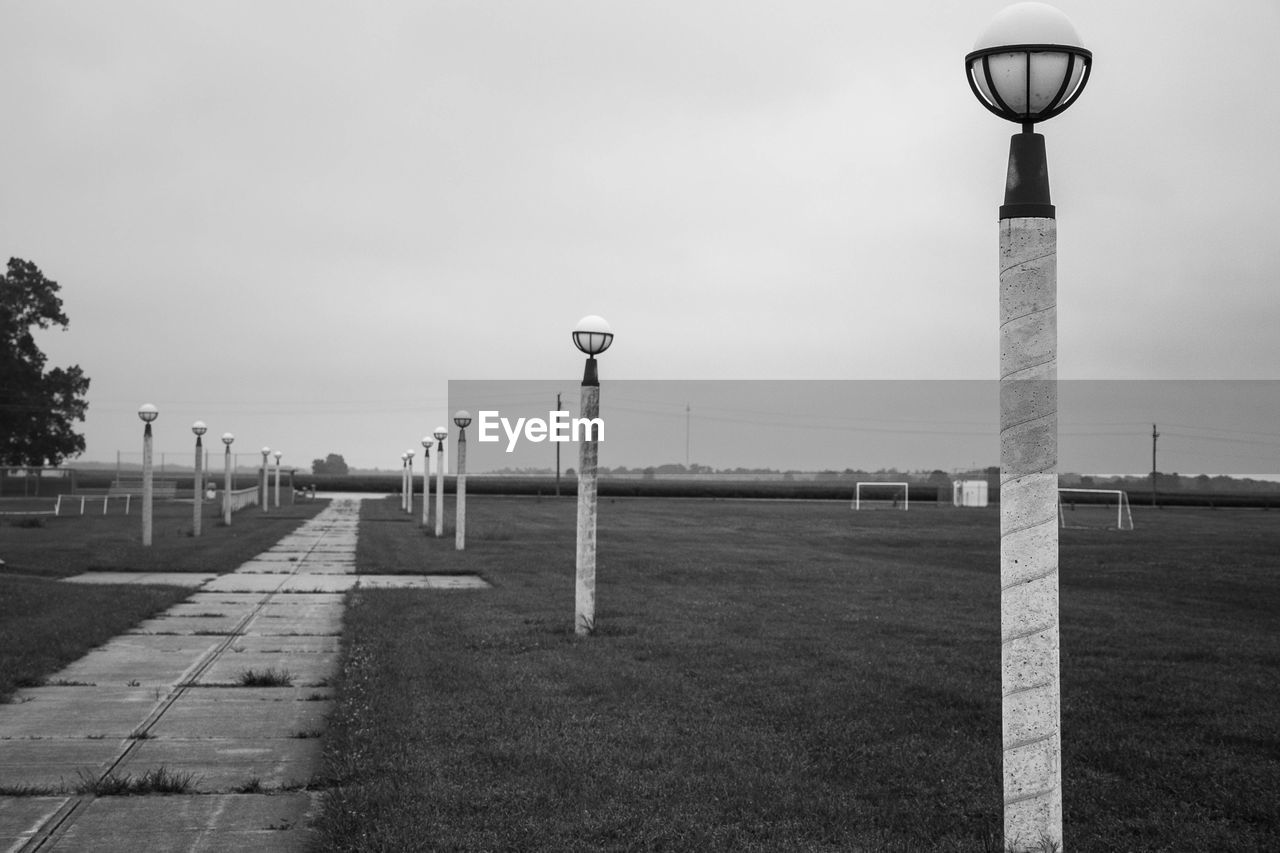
(46, 624)
(797, 676)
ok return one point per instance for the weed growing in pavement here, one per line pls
(159, 780)
(269, 677)
(253, 786)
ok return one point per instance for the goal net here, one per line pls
(881, 496)
(1098, 508)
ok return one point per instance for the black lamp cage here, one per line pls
(592, 343)
(979, 63)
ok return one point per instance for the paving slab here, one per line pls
(327, 644)
(77, 712)
(250, 713)
(194, 625)
(21, 817)
(290, 557)
(196, 824)
(140, 660)
(243, 582)
(225, 765)
(282, 619)
(55, 761)
(203, 604)
(221, 600)
(303, 599)
(189, 579)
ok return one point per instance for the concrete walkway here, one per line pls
(168, 702)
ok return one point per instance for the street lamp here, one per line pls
(147, 413)
(426, 480)
(462, 418)
(408, 482)
(197, 485)
(1028, 66)
(403, 463)
(440, 435)
(592, 336)
(262, 491)
(227, 438)
(277, 455)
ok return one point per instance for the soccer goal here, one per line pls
(1107, 508)
(877, 495)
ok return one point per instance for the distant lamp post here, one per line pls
(262, 491)
(277, 455)
(227, 438)
(1028, 66)
(147, 413)
(592, 336)
(440, 435)
(197, 485)
(408, 482)
(404, 466)
(426, 480)
(462, 418)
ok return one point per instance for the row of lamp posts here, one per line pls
(148, 413)
(1028, 66)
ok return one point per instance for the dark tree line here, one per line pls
(331, 464)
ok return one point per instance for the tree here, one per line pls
(332, 464)
(38, 408)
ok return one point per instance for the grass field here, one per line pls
(794, 676)
(45, 625)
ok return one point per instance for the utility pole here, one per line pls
(1154, 435)
(686, 436)
(557, 451)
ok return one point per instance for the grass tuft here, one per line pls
(159, 780)
(269, 677)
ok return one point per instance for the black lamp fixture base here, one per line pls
(590, 375)
(1026, 192)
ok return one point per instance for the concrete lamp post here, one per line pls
(426, 480)
(227, 438)
(262, 489)
(147, 413)
(462, 419)
(197, 484)
(592, 336)
(277, 455)
(1028, 66)
(440, 435)
(408, 482)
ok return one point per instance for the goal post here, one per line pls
(879, 492)
(1112, 503)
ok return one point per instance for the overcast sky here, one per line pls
(298, 221)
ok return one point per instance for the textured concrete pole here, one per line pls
(1029, 652)
(277, 495)
(262, 484)
(439, 489)
(198, 485)
(460, 499)
(146, 485)
(226, 488)
(584, 619)
(408, 487)
(426, 485)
